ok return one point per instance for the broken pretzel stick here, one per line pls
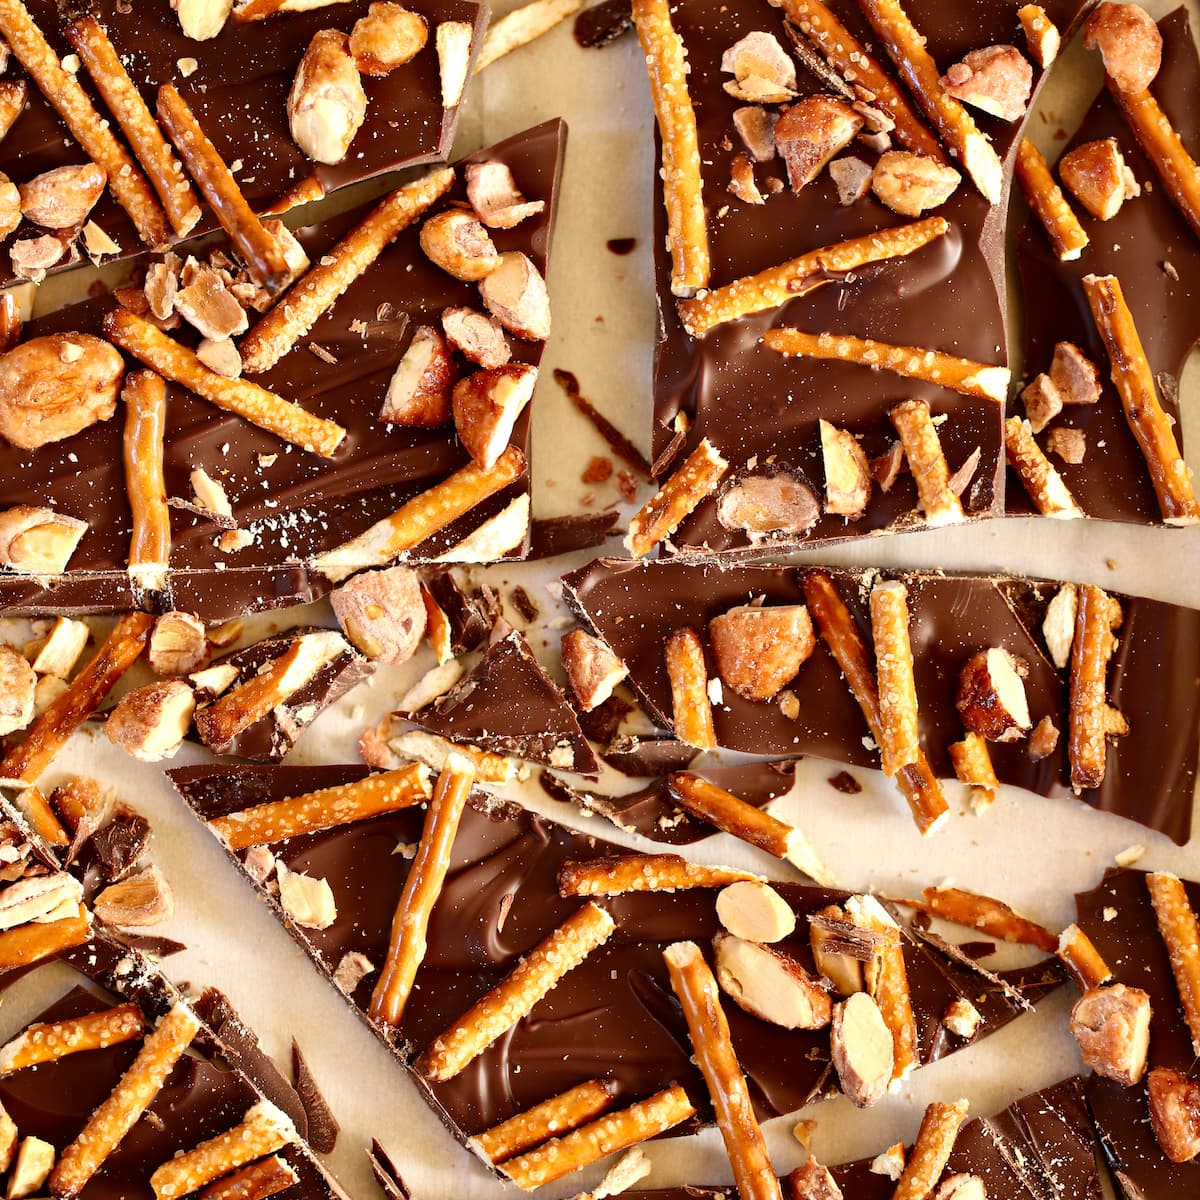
(695, 986)
(690, 704)
(973, 766)
(296, 312)
(12, 103)
(923, 450)
(517, 993)
(57, 1039)
(1049, 204)
(1134, 382)
(521, 26)
(1091, 651)
(304, 191)
(616, 874)
(931, 1151)
(1078, 954)
(990, 916)
(109, 77)
(932, 366)
(35, 808)
(410, 924)
(558, 1115)
(33, 942)
(1181, 936)
(1041, 34)
(256, 1181)
(121, 1111)
(683, 187)
(779, 285)
(676, 499)
(608, 1135)
(145, 397)
(1038, 475)
(895, 681)
(247, 400)
(315, 812)
(735, 816)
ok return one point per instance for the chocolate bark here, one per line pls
(1153, 677)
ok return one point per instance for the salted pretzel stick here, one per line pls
(304, 191)
(256, 1181)
(247, 400)
(1079, 955)
(610, 1134)
(973, 766)
(558, 1115)
(931, 1151)
(661, 515)
(127, 184)
(693, 983)
(10, 321)
(683, 187)
(932, 366)
(422, 516)
(778, 285)
(988, 915)
(296, 313)
(516, 994)
(895, 681)
(616, 874)
(923, 450)
(1049, 204)
(690, 703)
(57, 1039)
(33, 942)
(920, 73)
(1134, 382)
(133, 1094)
(315, 812)
(12, 103)
(84, 694)
(35, 808)
(887, 979)
(1093, 647)
(1181, 936)
(735, 816)
(410, 924)
(145, 397)
(840, 633)
(264, 1130)
(1041, 34)
(262, 253)
(109, 77)
(1037, 473)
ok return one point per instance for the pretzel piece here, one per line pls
(90, 41)
(12, 103)
(145, 397)
(410, 924)
(127, 184)
(778, 285)
(314, 812)
(1078, 954)
(1037, 473)
(661, 515)
(683, 187)
(35, 808)
(1049, 204)
(896, 683)
(923, 450)
(57, 1039)
(610, 1134)
(690, 703)
(33, 942)
(616, 874)
(304, 191)
(560, 1114)
(49, 732)
(133, 1094)
(694, 984)
(259, 10)
(247, 400)
(1134, 382)
(1091, 652)
(887, 981)
(988, 915)
(256, 1181)
(931, 1151)
(1181, 936)
(973, 766)
(521, 26)
(296, 313)
(516, 994)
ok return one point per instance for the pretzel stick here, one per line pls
(259, 10)
(1181, 936)
(12, 103)
(304, 191)
(1038, 475)
(693, 983)
(315, 812)
(35, 808)
(133, 1094)
(923, 449)
(616, 874)
(27, 944)
(1134, 382)
(895, 681)
(988, 915)
(931, 1151)
(127, 184)
(887, 979)
(296, 313)
(49, 732)
(1049, 204)
(611, 1133)
(145, 397)
(521, 26)
(690, 704)
(90, 41)
(410, 924)
(57, 1039)
(247, 400)
(1079, 955)
(421, 517)
(973, 766)
(661, 515)
(516, 994)
(1041, 34)
(840, 633)
(560, 1114)
(779, 285)
(1091, 651)
(683, 186)
(734, 816)
(256, 1181)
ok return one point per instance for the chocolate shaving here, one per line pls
(523, 603)
(920, 929)
(198, 510)
(602, 723)
(118, 846)
(386, 1174)
(618, 443)
(156, 948)
(323, 1128)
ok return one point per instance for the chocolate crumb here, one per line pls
(618, 443)
(323, 1128)
(523, 603)
(621, 246)
(598, 470)
(845, 783)
(321, 353)
(603, 23)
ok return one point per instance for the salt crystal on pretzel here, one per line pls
(1037, 473)
(552, 1118)
(521, 26)
(129, 1099)
(690, 702)
(255, 1181)
(973, 766)
(616, 874)
(145, 397)
(57, 1039)
(516, 995)
(1078, 954)
(1134, 382)
(988, 915)
(779, 285)
(12, 103)
(1049, 204)
(1181, 936)
(297, 311)
(661, 515)
(931, 1151)
(900, 745)
(1096, 616)
(27, 944)
(923, 450)
(695, 986)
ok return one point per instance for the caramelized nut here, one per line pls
(1098, 177)
(811, 132)
(515, 294)
(1074, 375)
(387, 37)
(991, 696)
(1129, 43)
(178, 644)
(418, 394)
(143, 899)
(910, 184)
(763, 72)
(1175, 1113)
(996, 80)
(755, 912)
(17, 683)
(769, 503)
(63, 197)
(38, 541)
(486, 407)
(476, 336)
(327, 104)
(493, 195)
(382, 613)
(593, 670)
(1112, 1027)
(151, 722)
(847, 474)
(457, 242)
(759, 650)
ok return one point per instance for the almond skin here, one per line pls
(62, 198)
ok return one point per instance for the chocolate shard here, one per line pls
(469, 615)
(646, 756)
(323, 1128)
(386, 1174)
(602, 723)
(115, 849)
(551, 536)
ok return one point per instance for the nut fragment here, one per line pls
(593, 670)
(35, 1161)
(996, 80)
(1058, 625)
(457, 242)
(382, 613)
(847, 475)
(756, 127)
(1097, 175)
(38, 541)
(151, 722)
(10, 206)
(852, 178)
(961, 1187)
(1112, 1027)
(418, 394)
(742, 182)
(178, 644)
(755, 912)
(1074, 375)
(387, 37)
(759, 650)
(769, 984)
(207, 304)
(515, 294)
(811, 132)
(493, 194)
(352, 969)
(476, 336)
(327, 104)
(17, 684)
(963, 1019)
(486, 407)
(843, 970)
(63, 197)
(308, 901)
(143, 899)
(1043, 741)
(1069, 444)
(763, 72)
(1175, 1113)
(220, 355)
(202, 19)
(1129, 43)
(32, 257)
(861, 1046)
(814, 1182)
(910, 184)
(453, 41)
(769, 503)
(1042, 402)
(991, 696)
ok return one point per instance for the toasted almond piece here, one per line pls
(961, 1187)
(996, 80)
(1093, 647)
(890, 1162)
(327, 104)
(842, 970)
(382, 613)
(1042, 402)
(931, 1151)
(418, 393)
(387, 37)
(554, 1117)
(691, 705)
(308, 901)
(17, 683)
(991, 696)
(677, 498)
(769, 984)
(1058, 625)
(756, 127)
(260, 10)
(852, 178)
(963, 1019)
(742, 183)
(351, 970)
(813, 1181)
(1079, 955)
(1074, 375)
(34, 1162)
(1129, 43)
(477, 336)
(767, 504)
(764, 73)
(453, 40)
(754, 911)
(847, 476)
(457, 242)
(486, 406)
(1041, 34)
(32, 257)
(759, 650)
(514, 292)
(208, 305)
(1037, 473)
(593, 670)
(1098, 177)
(811, 132)
(910, 184)
(12, 104)
(63, 197)
(202, 20)
(178, 644)
(1045, 197)
(862, 1049)
(618, 874)
(493, 195)
(140, 900)
(8, 1139)
(1175, 1113)
(1112, 1027)
(213, 681)
(1180, 934)
(210, 493)
(151, 722)
(55, 1040)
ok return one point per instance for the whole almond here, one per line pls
(62, 198)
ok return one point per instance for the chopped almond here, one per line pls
(741, 181)
(453, 40)
(811, 132)
(1043, 741)
(476, 336)
(852, 178)
(208, 305)
(418, 394)
(755, 912)
(327, 104)
(767, 504)
(1058, 625)
(151, 722)
(862, 1049)
(493, 194)
(814, 1182)
(1041, 34)
(1069, 444)
(1097, 175)
(178, 644)
(593, 670)
(1129, 43)
(387, 37)
(764, 73)
(59, 653)
(457, 242)
(1112, 1027)
(756, 127)
(142, 899)
(1042, 402)
(486, 407)
(382, 613)
(910, 184)
(769, 984)
(847, 474)
(1074, 375)
(515, 294)
(18, 683)
(996, 80)
(759, 650)
(991, 696)
(1175, 1113)
(63, 197)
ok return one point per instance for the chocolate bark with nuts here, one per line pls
(310, 504)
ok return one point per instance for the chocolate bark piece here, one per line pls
(755, 406)
(323, 1127)
(509, 705)
(310, 504)
(468, 612)
(1150, 775)
(551, 536)
(1150, 247)
(646, 756)
(243, 112)
(500, 899)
